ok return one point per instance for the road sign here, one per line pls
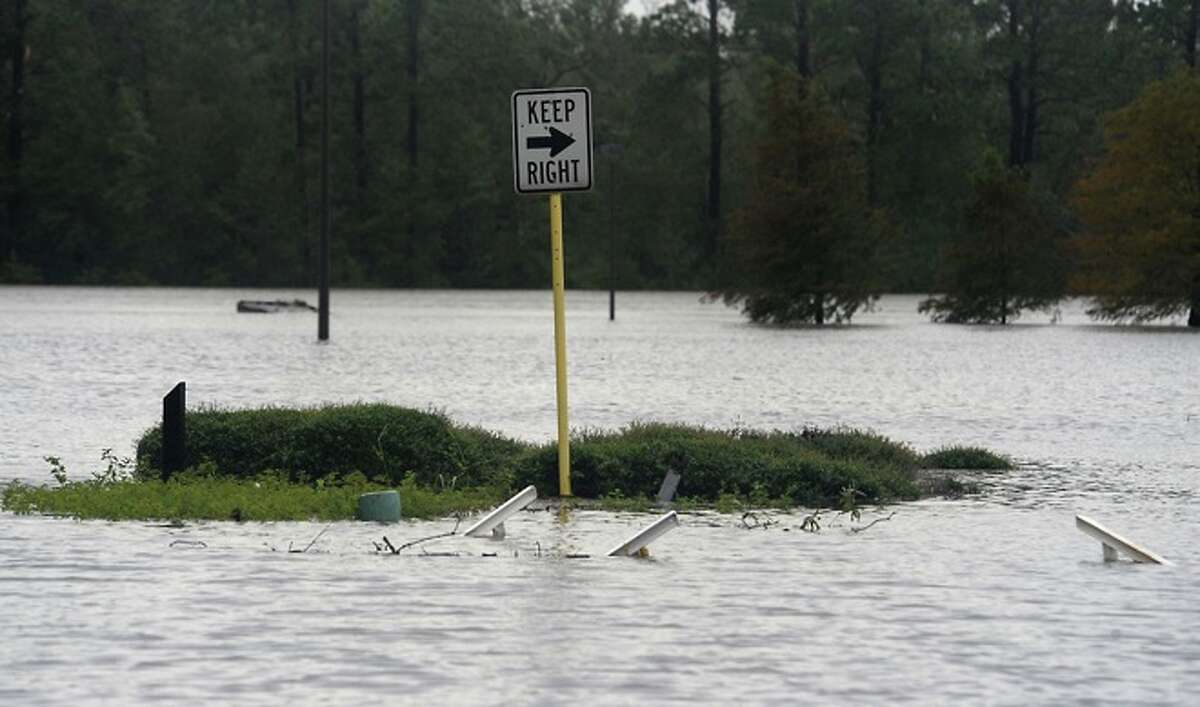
(552, 140)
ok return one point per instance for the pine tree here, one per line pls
(805, 242)
(1007, 259)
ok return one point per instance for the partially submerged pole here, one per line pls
(637, 545)
(493, 523)
(174, 430)
(1111, 543)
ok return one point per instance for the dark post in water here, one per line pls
(174, 430)
(612, 150)
(323, 266)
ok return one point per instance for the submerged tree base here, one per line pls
(259, 463)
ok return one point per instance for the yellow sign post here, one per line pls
(560, 343)
(552, 153)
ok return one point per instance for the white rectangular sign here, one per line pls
(552, 140)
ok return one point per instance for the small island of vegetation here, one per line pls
(301, 464)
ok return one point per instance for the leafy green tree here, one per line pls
(173, 141)
(806, 239)
(1007, 259)
(1140, 246)
(1175, 23)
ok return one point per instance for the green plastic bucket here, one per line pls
(379, 506)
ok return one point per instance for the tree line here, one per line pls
(911, 144)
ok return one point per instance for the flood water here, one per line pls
(990, 599)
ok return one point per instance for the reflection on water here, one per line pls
(993, 599)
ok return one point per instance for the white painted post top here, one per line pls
(646, 536)
(497, 517)
(1110, 539)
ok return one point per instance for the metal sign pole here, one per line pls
(560, 343)
(552, 153)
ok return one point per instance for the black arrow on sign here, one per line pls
(556, 142)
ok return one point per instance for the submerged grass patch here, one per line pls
(260, 465)
(196, 497)
(972, 458)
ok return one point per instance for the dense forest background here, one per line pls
(176, 141)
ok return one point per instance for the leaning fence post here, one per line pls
(174, 430)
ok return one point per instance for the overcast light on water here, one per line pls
(990, 599)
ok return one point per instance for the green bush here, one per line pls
(380, 441)
(808, 468)
(958, 457)
(391, 445)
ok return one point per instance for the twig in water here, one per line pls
(868, 525)
(310, 542)
(764, 524)
(396, 550)
(811, 523)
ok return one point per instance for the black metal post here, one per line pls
(612, 150)
(612, 243)
(323, 267)
(174, 430)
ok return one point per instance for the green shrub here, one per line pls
(959, 457)
(380, 441)
(393, 445)
(806, 468)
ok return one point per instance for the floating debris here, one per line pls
(253, 306)
(189, 543)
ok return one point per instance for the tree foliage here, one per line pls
(1007, 259)
(1140, 204)
(806, 240)
(174, 142)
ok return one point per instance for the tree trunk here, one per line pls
(874, 75)
(1194, 315)
(15, 203)
(413, 72)
(1190, 38)
(1016, 89)
(819, 308)
(714, 127)
(1004, 275)
(1029, 129)
(300, 175)
(803, 48)
(414, 64)
(360, 108)
(926, 47)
